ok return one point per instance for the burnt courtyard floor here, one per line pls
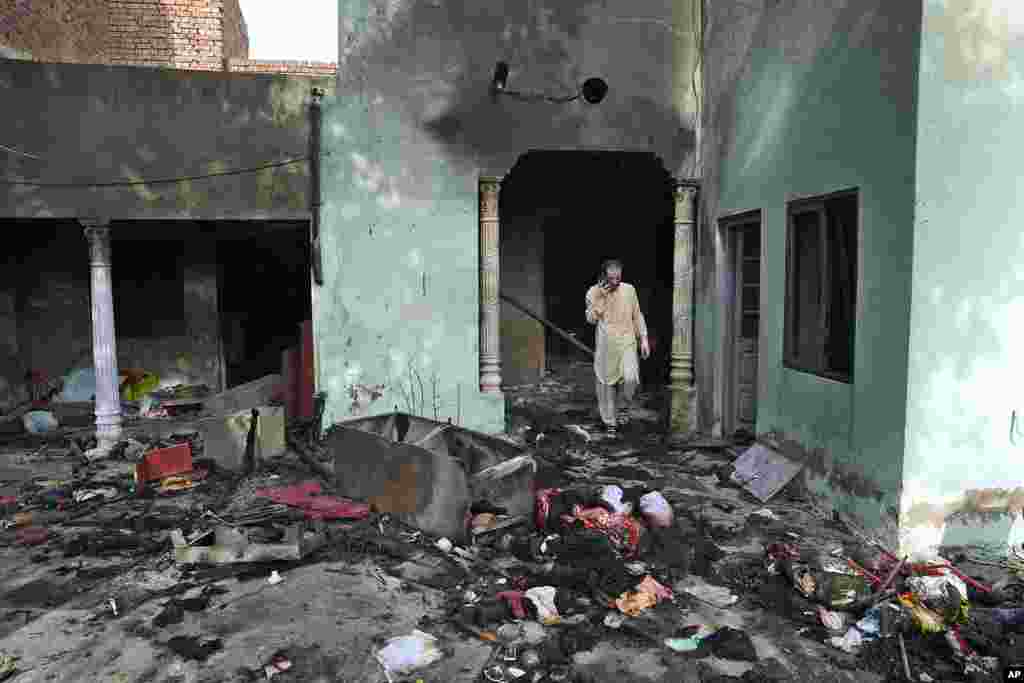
(99, 598)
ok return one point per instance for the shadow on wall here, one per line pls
(447, 51)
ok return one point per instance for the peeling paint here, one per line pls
(976, 38)
(187, 197)
(974, 507)
(142, 191)
(363, 396)
(288, 101)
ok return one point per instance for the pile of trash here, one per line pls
(593, 563)
(884, 607)
(537, 583)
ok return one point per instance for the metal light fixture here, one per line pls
(592, 91)
(500, 78)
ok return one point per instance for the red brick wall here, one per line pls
(236, 35)
(55, 30)
(292, 68)
(182, 34)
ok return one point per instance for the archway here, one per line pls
(562, 213)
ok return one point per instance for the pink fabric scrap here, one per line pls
(515, 600)
(544, 497)
(33, 535)
(307, 497)
(8, 500)
(651, 585)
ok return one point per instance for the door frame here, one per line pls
(729, 302)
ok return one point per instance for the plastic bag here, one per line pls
(404, 654)
(39, 422)
(543, 598)
(934, 587)
(945, 594)
(833, 621)
(79, 386)
(141, 386)
(924, 619)
(849, 643)
(656, 510)
(612, 496)
(651, 585)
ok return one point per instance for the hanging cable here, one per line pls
(160, 181)
(19, 153)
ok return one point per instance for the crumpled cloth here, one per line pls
(543, 598)
(543, 506)
(306, 496)
(32, 535)
(623, 530)
(648, 593)
(651, 585)
(632, 604)
(515, 601)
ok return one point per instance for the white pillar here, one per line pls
(490, 358)
(104, 344)
(683, 418)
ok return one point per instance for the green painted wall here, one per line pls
(968, 280)
(409, 134)
(811, 100)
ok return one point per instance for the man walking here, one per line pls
(613, 306)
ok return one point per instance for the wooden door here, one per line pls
(746, 323)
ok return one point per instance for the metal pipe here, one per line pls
(558, 330)
(314, 184)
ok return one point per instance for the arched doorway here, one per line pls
(561, 213)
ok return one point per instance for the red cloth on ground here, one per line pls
(306, 496)
(623, 530)
(515, 600)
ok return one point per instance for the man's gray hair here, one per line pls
(611, 263)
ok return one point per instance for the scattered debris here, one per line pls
(161, 463)
(405, 654)
(8, 666)
(192, 647)
(579, 431)
(279, 663)
(763, 472)
(538, 555)
(308, 497)
(40, 422)
(234, 544)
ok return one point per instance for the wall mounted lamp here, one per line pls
(592, 91)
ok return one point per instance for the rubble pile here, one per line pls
(703, 559)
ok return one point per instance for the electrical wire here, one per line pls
(537, 97)
(161, 181)
(19, 153)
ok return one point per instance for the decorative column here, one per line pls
(490, 356)
(683, 418)
(104, 345)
